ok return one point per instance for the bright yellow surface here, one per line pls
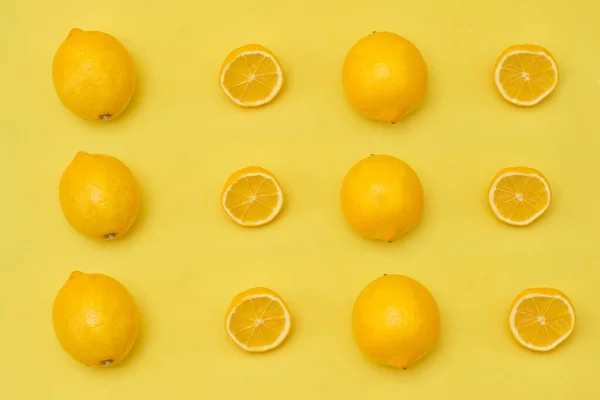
(185, 259)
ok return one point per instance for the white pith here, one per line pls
(260, 222)
(513, 100)
(275, 90)
(534, 216)
(281, 337)
(529, 345)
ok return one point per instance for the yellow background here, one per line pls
(185, 259)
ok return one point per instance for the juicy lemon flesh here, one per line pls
(251, 78)
(526, 77)
(520, 198)
(542, 321)
(252, 198)
(258, 322)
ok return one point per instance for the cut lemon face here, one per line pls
(541, 319)
(252, 197)
(258, 320)
(525, 74)
(251, 76)
(519, 195)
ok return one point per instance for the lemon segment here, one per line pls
(526, 74)
(542, 318)
(258, 320)
(519, 195)
(251, 76)
(252, 197)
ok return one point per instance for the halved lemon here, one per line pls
(251, 76)
(258, 320)
(519, 195)
(542, 318)
(252, 196)
(525, 74)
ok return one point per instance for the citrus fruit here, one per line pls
(99, 196)
(382, 197)
(251, 76)
(519, 195)
(542, 318)
(384, 76)
(258, 320)
(525, 74)
(252, 196)
(93, 75)
(396, 321)
(95, 319)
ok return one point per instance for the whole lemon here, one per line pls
(93, 75)
(99, 196)
(384, 76)
(396, 321)
(382, 197)
(95, 319)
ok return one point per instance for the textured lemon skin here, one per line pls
(95, 319)
(99, 196)
(382, 197)
(384, 77)
(94, 75)
(396, 321)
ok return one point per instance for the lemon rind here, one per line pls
(281, 337)
(508, 220)
(530, 346)
(271, 217)
(513, 100)
(258, 103)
